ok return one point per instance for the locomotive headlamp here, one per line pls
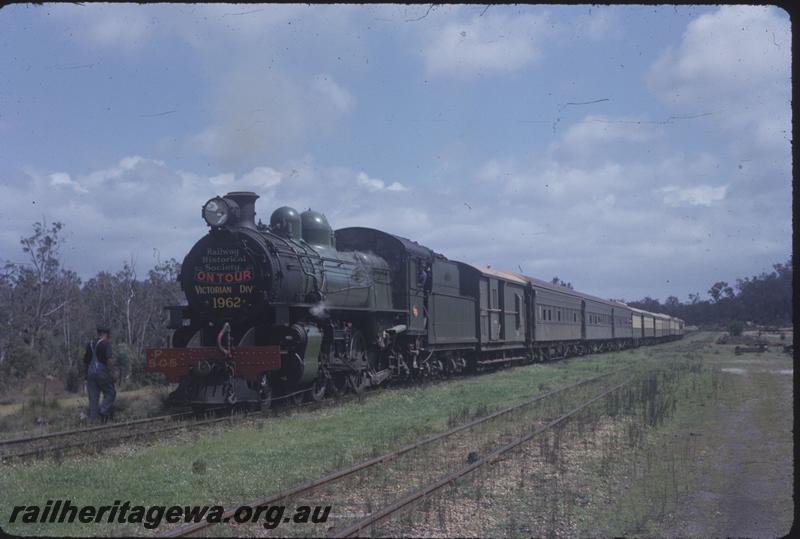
(216, 211)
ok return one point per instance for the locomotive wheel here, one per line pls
(357, 382)
(357, 349)
(264, 393)
(339, 385)
(358, 355)
(318, 389)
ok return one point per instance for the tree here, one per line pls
(647, 304)
(717, 289)
(39, 281)
(39, 304)
(763, 299)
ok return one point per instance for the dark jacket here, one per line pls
(103, 351)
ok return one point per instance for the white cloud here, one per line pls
(597, 130)
(375, 184)
(699, 195)
(222, 179)
(495, 170)
(123, 27)
(263, 177)
(258, 115)
(333, 93)
(518, 213)
(492, 42)
(59, 179)
(599, 24)
(735, 63)
(139, 204)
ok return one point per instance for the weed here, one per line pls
(458, 417)
(199, 466)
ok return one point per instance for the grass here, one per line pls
(32, 416)
(696, 450)
(240, 463)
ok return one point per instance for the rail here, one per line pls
(386, 457)
(398, 505)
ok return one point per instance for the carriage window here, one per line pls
(574, 317)
(518, 308)
(558, 315)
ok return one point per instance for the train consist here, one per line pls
(294, 308)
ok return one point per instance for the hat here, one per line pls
(102, 328)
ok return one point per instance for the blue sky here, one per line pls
(631, 150)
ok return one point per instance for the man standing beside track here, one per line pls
(99, 376)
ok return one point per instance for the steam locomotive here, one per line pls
(293, 308)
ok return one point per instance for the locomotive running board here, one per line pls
(502, 360)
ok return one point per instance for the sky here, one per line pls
(630, 150)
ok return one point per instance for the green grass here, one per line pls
(244, 462)
(32, 416)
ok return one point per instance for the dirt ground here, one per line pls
(744, 466)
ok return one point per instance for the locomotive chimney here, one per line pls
(246, 200)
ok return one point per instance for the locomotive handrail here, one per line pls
(305, 254)
(225, 329)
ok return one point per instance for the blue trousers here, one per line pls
(96, 383)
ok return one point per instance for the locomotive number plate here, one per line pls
(249, 361)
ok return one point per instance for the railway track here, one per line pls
(401, 503)
(62, 443)
(489, 433)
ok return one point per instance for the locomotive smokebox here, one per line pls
(246, 200)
